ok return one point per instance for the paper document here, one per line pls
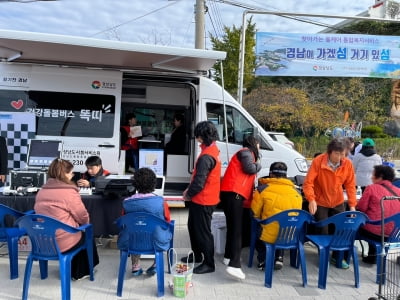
(136, 131)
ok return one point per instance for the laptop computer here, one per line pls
(41, 153)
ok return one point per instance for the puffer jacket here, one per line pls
(363, 167)
(370, 205)
(272, 196)
(62, 201)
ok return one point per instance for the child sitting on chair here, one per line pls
(146, 201)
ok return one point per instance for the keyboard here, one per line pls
(85, 191)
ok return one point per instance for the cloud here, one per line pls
(159, 21)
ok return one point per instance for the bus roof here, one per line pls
(43, 48)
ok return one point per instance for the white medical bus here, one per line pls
(80, 89)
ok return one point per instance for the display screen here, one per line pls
(152, 159)
(43, 152)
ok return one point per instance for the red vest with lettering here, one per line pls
(210, 193)
(235, 180)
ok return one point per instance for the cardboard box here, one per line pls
(218, 229)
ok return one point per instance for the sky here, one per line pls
(162, 22)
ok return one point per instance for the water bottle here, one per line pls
(358, 192)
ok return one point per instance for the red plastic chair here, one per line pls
(140, 227)
(346, 228)
(42, 232)
(292, 228)
(11, 235)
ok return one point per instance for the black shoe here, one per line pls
(189, 259)
(203, 268)
(278, 263)
(369, 259)
(261, 266)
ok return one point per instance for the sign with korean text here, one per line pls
(330, 55)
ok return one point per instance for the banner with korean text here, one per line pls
(330, 55)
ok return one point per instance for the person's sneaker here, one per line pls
(152, 270)
(369, 259)
(236, 272)
(226, 261)
(261, 266)
(137, 272)
(80, 278)
(344, 265)
(278, 263)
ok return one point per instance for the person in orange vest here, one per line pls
(202, 195)
(237, 188)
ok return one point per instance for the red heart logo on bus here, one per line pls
(17, 104)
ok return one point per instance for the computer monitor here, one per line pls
(43, 152)
(152, 159)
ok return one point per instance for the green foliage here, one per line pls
(289, 110)
(230, 43)
(373, 131)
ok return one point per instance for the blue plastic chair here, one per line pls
(42, 232)
(11, 235)
(346, 228)
(140, 227)
(292, 228)
(394, 237)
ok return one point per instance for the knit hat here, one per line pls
(368, 142)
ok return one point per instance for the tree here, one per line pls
(289, 109)
(230, 43)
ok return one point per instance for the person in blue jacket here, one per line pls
(146, 201)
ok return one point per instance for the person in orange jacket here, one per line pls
(323, 186)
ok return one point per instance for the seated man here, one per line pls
(94, 170)
(274, 194)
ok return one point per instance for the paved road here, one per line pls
(286, 282)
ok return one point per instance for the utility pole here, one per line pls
(199, 10)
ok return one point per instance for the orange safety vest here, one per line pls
(210, 193)
(235, 180)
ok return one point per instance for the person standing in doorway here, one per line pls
(130, 144)
(177, 143)
(203, 196)
(236, 188)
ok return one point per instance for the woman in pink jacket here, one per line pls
(59, 198)
(382, 177)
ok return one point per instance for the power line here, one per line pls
(135, 19)
(217, 17)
